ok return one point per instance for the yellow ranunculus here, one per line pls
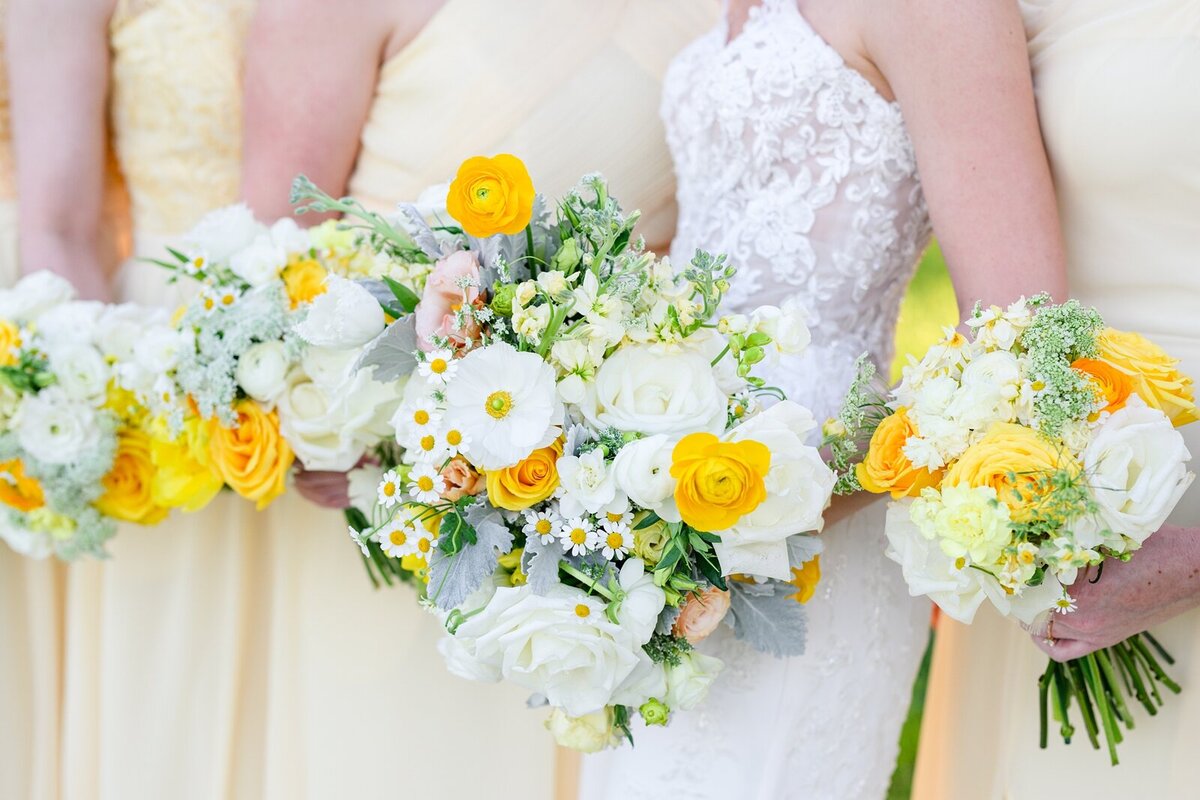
(1155, 375)
(304, 279)
(886, 468)
(253, 458)
(128, 486)
(184, 477)
(491, 195)
(10, 343)
(805, 579)
(19, 490)
(1013, 460)
(1112, 385)
(527, 482)
(718, 482)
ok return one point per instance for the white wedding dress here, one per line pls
(792, 163)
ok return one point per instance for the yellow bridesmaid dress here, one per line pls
(1118, 88)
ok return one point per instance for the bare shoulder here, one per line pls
(920, 30)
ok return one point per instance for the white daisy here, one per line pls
(1064, 604)
(360, 540)
(616, 519)
(389, 489)
(416, 419)
(426, 541)
(542, 524)
(438, 367)
(614, 541)
(398, 538)
(425, 485)
(219, 298)
(426, 447)
(576, 536)
(453, 442)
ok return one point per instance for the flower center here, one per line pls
(427, 443)
(425, 483)
(615, 540)
(614, 518)
(208, 304)
(421, 417)
(542, 526)
(398, 538)
(578, 536)
(454, 438)
(227, 299)
(423, 545)
(389, 489)
(582, 611)
(498, 404)
(438, 366)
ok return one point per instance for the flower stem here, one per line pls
(591, 583)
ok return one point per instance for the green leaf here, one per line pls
(406, 297)
(651, 519)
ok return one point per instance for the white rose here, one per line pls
(1136, 464)
(589, 733)
(643, 601)
(642, 471)
(647, 680)
(260, 263)
(79, 369)
(56, 429)
(786, 327)
(75, 321)
(799, 486)
(640, 389)
(159, 347)
(223, 232)
(262, 370)
(587, 484)
(290, 236)
(33, 295)
(346, 315)
(120, 328)
(560, 645)
(687, 683)
(461, 661)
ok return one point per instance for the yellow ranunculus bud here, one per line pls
(527, 482)
(18, 489)
(184, 477)
(252, 458)
(128, 486)
(491, 195)
(1112, 385)
(304, 279)
(805, 579)
(1013, 460)
(886, 468)
(1155, 375)
(718, 482)
(10, 343)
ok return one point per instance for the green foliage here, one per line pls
(666, 649)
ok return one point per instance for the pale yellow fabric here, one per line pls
(1116, 84)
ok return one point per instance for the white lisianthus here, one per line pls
(73, 322)
(587, 484)
(646, 390)
(345, 315)
(799, 486)
(80, 371)
(262, 371)
(589, 733)
(642, 470)
(505, 402)
(643, 600)
(260, 262)
(989, 389)
(687, 683)
(158, 347)
(120, 328)
(34, 295)
(222, 233)
(785, 325)
(55, 428)
(290, 236)
(560, 645)
(1137, 467)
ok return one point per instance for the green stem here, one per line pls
(1135, 677)
(1112, 735)
(1079, 684)
(1043, 702)
(591, 583)
(1110, 677)
(1062, 696)
(1162, 676)
(1162, 651)
(720, 355)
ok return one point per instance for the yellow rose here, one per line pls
(1111, 384)
(10, 343)
(527, 482)
(886, 468)
(491, 195)
(304, 279)
(128, 486)
(1014, 461)
(19, 490)
(805, 579)
(184, 477)
(252, 458)
(718, 482)
(1155, 375)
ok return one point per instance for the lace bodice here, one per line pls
(793, 164)
(177, 107)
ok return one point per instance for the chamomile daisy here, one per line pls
(616, 519)
(438, 367)
(426, 541)
(360, 539)
(614, 541)
(453, 442)
(542, 524)
(1064, 604)
(398, 539)
(389, 489)
(576, 536)
(427, 447)
(425, 485)
(218, 299)
(416, 419)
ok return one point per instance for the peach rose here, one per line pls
(461, 479)
(701, 614)
(443, 296)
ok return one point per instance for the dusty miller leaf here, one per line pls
(454, 578)
(541, 564)
(391, 352)
(772, 623)
(666, 620)
(802, 548)
(421, 233)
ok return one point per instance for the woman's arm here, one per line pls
(58, 73)
(308, 92)
(961, 74)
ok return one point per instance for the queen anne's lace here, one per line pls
(793, 164)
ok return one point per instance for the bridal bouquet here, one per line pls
(75, 453)
(587, 481)
(1042, 445)
(265, 380)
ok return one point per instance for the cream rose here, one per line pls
(649, 391)
(688, 682)
(589, 733)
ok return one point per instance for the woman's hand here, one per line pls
(1161, 581)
